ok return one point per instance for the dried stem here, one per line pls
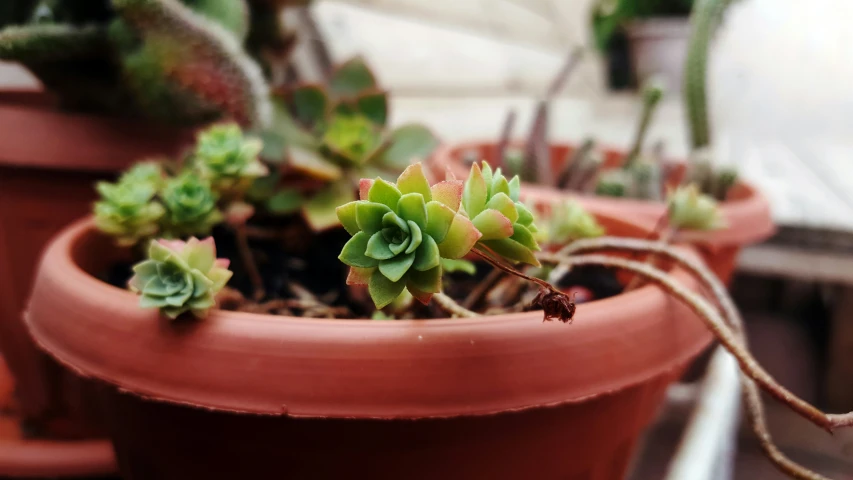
(248, 261)
(488, 256)
(480, 290)
(729, 339)
(664, 241)
(451, 306)
(569, 66)
(751, 393)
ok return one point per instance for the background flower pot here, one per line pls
(256, 396)
(745, 211)
(49, 161)
(658, 47)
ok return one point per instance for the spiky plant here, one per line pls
(159, 59)
(335, 134)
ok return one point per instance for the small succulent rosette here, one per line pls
(128, 210)
(690, 209)
(191, 206)
(180, 277)
(400, 232)
(568, 221)
(227, 159)
(506, 224)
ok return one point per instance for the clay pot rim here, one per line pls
(50, 458)
(35, 111)
(748, 217)
(343, 367)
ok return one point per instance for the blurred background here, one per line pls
(782, 112)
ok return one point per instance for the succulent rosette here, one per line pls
(351, 138)
(400, 233)
(692, 210)
(228, 159)
(179, 277)
(492, 202)
(569, 221)
(190, 206)
(128, 211)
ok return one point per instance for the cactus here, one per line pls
(158, 59)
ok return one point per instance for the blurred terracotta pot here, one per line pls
(49, 161)
(242, 395)
(746, 211)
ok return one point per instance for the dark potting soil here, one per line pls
(310, 260)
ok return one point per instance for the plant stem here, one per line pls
(751, 393)
(650, 103)
(248, 260)
(451, 306)
(480, 290)
(665, 240)
(715, 323)
(487, 256)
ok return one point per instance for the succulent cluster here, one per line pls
(690, 209)
(402, 232)
(168, 60)
(568, 221)
(336, 134)
(146, 202)
(179, 277)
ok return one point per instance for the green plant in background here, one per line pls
(692, 210)
(334, 135)
(568, 221)
(609, 16)
(146, 201)
(128, 210)
(180, 277)
(191, 206)
(171, 61)
(228, 159)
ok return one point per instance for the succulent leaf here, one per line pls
(351, 77)
(179, 277)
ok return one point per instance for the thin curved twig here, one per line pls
(751, 394)
(714, 322)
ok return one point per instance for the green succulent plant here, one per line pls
(179, 277)
(191, 207)
(506, 224)
(400, 232)
(171, 61)
(128, 210)
(568, 221)
(336, 134)
(403, 233)
(147, 172)
(229, 160)
(692, 210)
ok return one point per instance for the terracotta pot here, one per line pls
(745, 211)
(256, 396)
(25, 457)
(49, 161)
